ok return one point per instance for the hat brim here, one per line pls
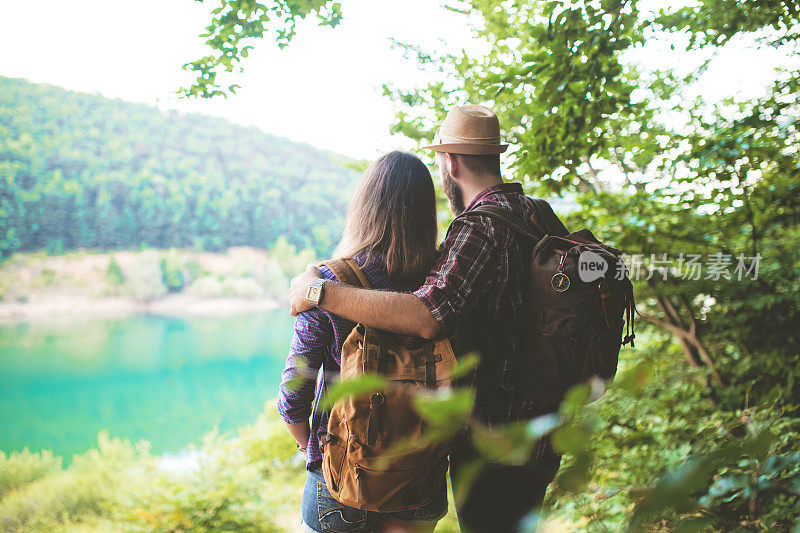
(468, 149)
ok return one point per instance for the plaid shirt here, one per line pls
(317, 343)
(476, 292)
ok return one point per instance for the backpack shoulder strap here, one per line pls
(544, 219)
(547, 217)
(521, 226)
(347, 271)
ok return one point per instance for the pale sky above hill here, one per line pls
(324, 89)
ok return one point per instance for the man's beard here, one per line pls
(453, 193)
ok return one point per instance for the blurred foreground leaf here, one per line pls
(356, 388)
(510, 444)
(466, 364)
(444, 412)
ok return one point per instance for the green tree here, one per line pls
(681, 176)
(234, 28)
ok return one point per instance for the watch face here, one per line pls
(313, 294)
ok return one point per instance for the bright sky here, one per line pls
(324, 89)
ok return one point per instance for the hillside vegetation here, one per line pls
(84, 171)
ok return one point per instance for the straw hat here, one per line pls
(471, 129)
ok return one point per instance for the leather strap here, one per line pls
(372, 337)
(375, 407)
(604, 295)
(347, 271)
(543, 221)
(508, 217)
(430, 369)
(325, 439)
(359, 273)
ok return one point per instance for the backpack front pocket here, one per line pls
(390, 489)
(333, 456)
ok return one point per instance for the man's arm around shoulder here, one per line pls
(390, 311)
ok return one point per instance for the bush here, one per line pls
(193, 271)
(171, 271)
(143, 278)
(206, 287)
(55, 247)
(78, 492)
(21, 468)
(114, 275)
(47, 278)
(289, 259)
(662, 454)
(220, 495)
(275, 281)
(238, 484)
(242, 287)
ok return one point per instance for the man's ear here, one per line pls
(453, 165)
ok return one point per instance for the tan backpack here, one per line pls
(373, 458)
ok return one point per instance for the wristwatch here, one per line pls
(314, 292)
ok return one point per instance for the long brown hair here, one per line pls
(393, 212)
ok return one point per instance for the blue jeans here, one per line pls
(322, 512)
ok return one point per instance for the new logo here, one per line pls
(591, 266)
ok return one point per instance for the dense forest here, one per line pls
(83, 171)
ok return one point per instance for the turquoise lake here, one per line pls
(165, 379)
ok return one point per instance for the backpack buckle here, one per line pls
(375, 403)
(325, 439)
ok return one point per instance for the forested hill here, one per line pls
(80, 170)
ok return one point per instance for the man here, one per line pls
(475, 295)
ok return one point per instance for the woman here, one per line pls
(391, 233)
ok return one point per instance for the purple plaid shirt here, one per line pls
(476, 291)
(317, 343)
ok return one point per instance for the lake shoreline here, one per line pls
(173, 304)
(176, 282)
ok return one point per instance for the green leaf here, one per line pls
(510, 444)
(467, 475)
(575, 399)
(355, 388)
(444, 412)
(466, 364)
(635, 378)
(572, 478)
